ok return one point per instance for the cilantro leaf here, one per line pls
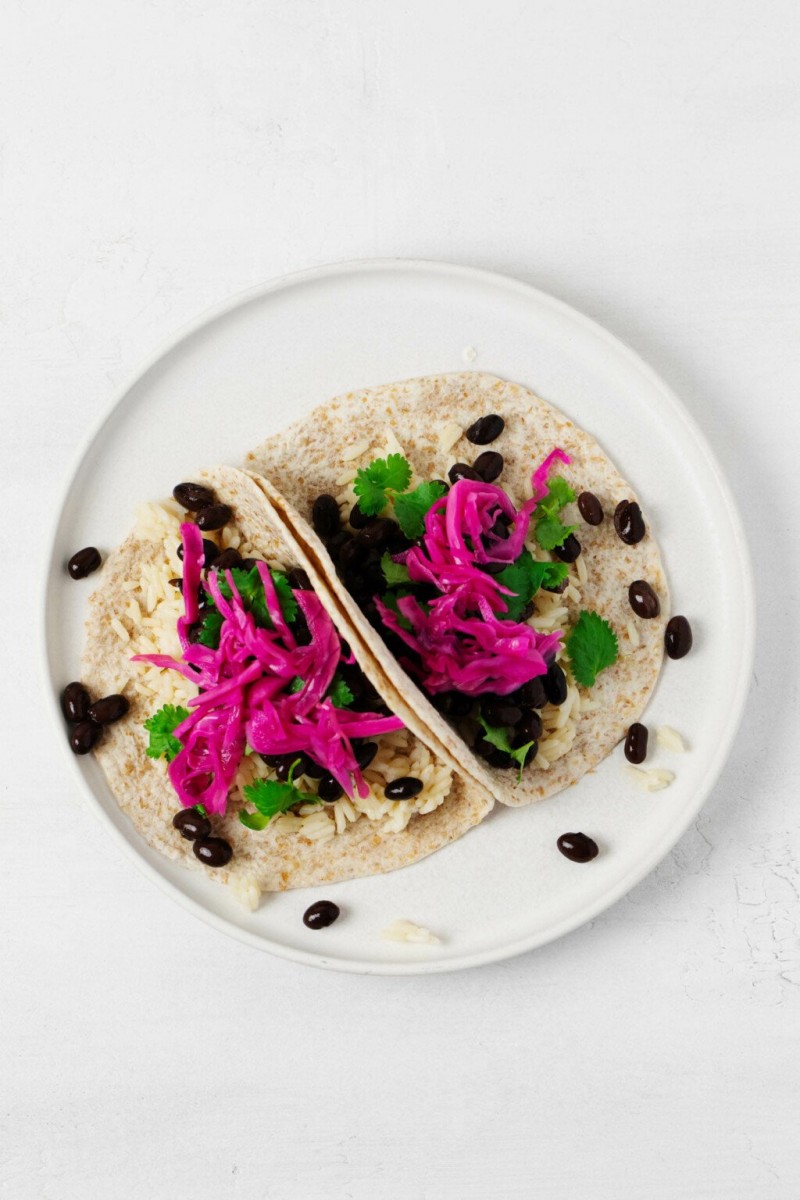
(270, 797)
(210, 628)
(296, 685)
(591, 646)
(251, 589)
(160, 727)
(410, 509)
(394, 573)
(340, 695)
(524, 577)
(498, 736)
(383, 475)
(550, 530)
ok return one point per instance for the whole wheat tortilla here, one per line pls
(311, 456)
(270, 860)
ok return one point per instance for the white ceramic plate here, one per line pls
(267, 357)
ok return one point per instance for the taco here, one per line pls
(256, 740)
(493, 560)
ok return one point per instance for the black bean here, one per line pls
(377, 532)
(485, 429)
(321, 915)
(176, 583)
(75, 701)
(335, 543)
(590, 508)
(501, 760)
(643, 600)
(83, 562)
(527, 612)
(213, 517)
(210, 552)
(403, 789)
(530, 754)
(555, 684)
(628, 522)
(325, 516)
(558, 589)
(493, 568)
(365, 754)
(283, 768)
(84, 735)
(531, 694)
(109, 709)
(247, 564)
(462, 471)
(569, 549)
(312, 769)
(298, 579)
(229, 559)
(329, 789)
(191, 824)
(577, 847)
(489, 465)
(501, 528)
(461, 705)
(498, 710)
(678, 637)
(193, 632)
(357, 518)
(636, 743)
(213, 851)
(353, 554)
(193, 496)
(529, 729)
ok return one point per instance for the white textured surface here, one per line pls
(635, 158)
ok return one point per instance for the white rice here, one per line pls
(449, 433)
(403, 930)
(652, 780)
(669, 739)
(356, 450)
(152, 614)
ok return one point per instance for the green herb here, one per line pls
(210, 629)
(394, 573)
(270, 797)
(160, 727)
(248, 750)
(296, 685)
(524, 577)
(498, 736)
(550, 530)
(410, 509)
(374, 484)
(251, 589)
(201, 808)
(340, 695)
(591, 646)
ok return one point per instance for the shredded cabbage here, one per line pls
(461, 640)
(243, 698)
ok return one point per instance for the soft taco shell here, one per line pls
(265, 860)
(312, 456)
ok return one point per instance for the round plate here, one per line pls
(267, 357)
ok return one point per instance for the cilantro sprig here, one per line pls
(395, 574)
(549, 528)
(524, 577)
(591, 647)
(385, 481)
(340, 694)
(498, 736)
(160, 728)
(251, 589)
(271, 797)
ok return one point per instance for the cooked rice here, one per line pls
(652, 780)
(669, 739)
(154, 631)
(403, 930)
(356, 450)
(449, 433)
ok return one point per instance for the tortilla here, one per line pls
(262, 860)
(315, 454)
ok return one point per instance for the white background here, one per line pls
(637, 159)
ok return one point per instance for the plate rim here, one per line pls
(683, 820)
